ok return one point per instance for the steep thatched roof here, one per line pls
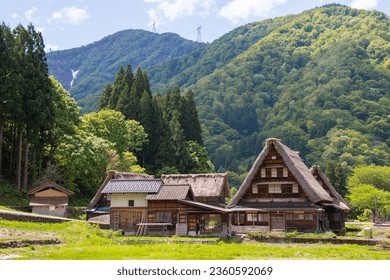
(51, 185)
(115, 175)
(172, 192)
(211, 185)
(338, 200)
(298, 169)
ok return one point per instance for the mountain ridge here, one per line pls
(315, 80)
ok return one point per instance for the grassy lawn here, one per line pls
(81, 241)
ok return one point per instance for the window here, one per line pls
(52, 207)
(299, 216)
(262, 173)
(308, 216)
(263, 217)
(255, 189)
(251, 217)
(285, 172)
(295, 188)
(274, 172)
(131, 203)
(277, 188)
(289, 216)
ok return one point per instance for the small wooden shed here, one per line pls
(50, 199)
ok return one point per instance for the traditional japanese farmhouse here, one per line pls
(281, 194)
(335, 212)
(167, 206)
(101, 202)
(50, 199)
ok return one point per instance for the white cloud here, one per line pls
(236, 10)
(15, 15)
(364, 4)
(72, 15)
(173, 9)
(29, 13)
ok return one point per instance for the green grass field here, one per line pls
(81, 241)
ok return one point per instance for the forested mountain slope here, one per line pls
(320, 82)
(99, 62)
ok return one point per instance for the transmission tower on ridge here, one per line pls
(154, 27)
(199, 37)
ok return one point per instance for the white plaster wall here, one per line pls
(122, 200)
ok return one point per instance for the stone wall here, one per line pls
(26, 217)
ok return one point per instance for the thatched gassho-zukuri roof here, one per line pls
(294, 163)
(338, 200)
(171, 192)
(203, 185)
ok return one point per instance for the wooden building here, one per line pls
(281, 194)
(141, 204)
(335, 212)
(50, 199)
(101, 202)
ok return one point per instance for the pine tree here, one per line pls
(182, 156)
(116, 89)
(105, 97)
(341, 180)
(189, 118)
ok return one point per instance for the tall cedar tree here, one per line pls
(116, 89)
(34, 87)
(9, 98)
(189, 118)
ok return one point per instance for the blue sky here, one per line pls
(73, 23)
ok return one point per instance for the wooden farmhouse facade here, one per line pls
(50, 199)
(280, 193)
(166, 206)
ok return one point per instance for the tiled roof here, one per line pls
(132, 186)
(170, 192)
(115, 175)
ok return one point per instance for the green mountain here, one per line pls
(319, 80)
(99, 62)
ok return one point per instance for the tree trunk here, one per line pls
(25, 169)
(13, 144)
(19, 163)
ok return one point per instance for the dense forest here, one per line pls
(318, 80)
(43, 136)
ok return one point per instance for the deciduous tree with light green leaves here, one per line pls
(369, 188)
(112, 126)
